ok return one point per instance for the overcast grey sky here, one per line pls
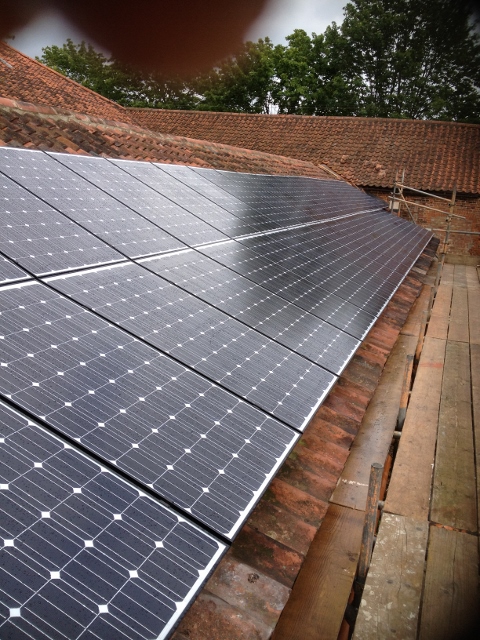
(278, 21)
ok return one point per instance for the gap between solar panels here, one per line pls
(207, 314)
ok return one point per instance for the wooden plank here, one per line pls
(376, 431)
(447, 273)
(438, 325)
(475, 371)
(451, 599)
(320, 594)
(458, 327)
(409, 490)
(454, 495)
(473, 292)
(414, 320)
(390, 604)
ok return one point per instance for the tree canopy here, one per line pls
(389, 58)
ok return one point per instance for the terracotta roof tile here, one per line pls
(22, 78)
(366, 151)
(26, 125)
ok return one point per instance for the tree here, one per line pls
(310, 76)
(389, 58)
(242, 82)
(415, 58)
(125, 85)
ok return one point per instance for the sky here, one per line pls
(279, 20)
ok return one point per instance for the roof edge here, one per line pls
(40, 64)
(300, 117)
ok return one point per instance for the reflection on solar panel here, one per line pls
(195, 203)
(85, 550)
(154, 205)
(116, 224)
(172, 331)
(43, 240)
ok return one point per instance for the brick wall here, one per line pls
(468, 206)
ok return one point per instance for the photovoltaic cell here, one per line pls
(294, 198)
(163, 212)
(84, 553)
(84, 203)
(308, 261)
(10, 272)
(228, 352)
(193, 202)
(257, 307)
(43, 240)
(190, 441)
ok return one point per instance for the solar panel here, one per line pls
(303, 199)
(308, 261)
(86, 554)
(256, 307)
(10, 272)
(171, 330)
(228, 352)
(163, 212)
(199, 206)
(43, 240)
(114, 223)
(198, 446)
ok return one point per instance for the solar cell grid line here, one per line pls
(42, 240)
(152, 175)
(248, 301)
(276, 249)
(310, 191)
(227, 352)
(85, 554)
(332, 264)
(150, 204)
(85, 204)
(273, 215)
(192, 443)
(319, 240)
(10, 272)
(199, 334)
(290, 326)
(286, 282)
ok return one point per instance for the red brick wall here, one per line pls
(468, 206)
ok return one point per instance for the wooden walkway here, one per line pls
(423, 579)
(316, 607)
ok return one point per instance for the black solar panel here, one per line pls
(165, 386)
(195, 203)
(228, 352)
(9, 272)
(84, 553)
(152, 205)
(193, 443)
(308, 261)
(84, 203)
(298, 199)
(43, 240)
(278, 319)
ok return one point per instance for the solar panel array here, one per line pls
(167, 333)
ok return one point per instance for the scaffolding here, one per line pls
(398, 200)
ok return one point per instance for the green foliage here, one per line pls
(117, 82)
(241, 83)
(389, 58)
(416, 58)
